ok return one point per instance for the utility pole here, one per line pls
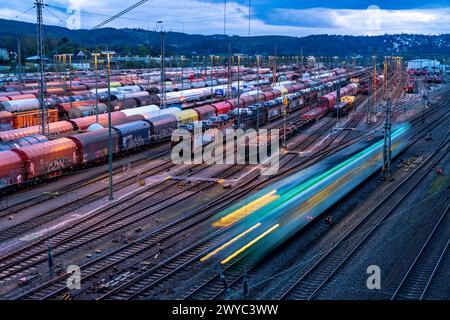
(238, 91)
(95, 55)
(374, 82)
(274, 78)
(162, 67)
(40, 53)
(19, 64)
(257, 106)
(229, 76)
(386, 174)
(211, 78)
(70, 78)
(385, 74)
(338, 98)
(108, 55)
(369, 101)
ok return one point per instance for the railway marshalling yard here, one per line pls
(199, 231)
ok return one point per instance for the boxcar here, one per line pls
(48, 158)
(222, 107)
(205, 112)
(133, 135)
(93, 146)
(187, 116)
(6, 121)
(32, 118)
(87, 110)
(85, 122)
(163, 126)
(20, 105)
(11, 169)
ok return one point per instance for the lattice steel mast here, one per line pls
(40, 54)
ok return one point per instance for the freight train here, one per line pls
(132, 129)
(410, 86)
(266, 219)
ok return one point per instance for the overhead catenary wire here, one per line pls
(137, 4)
(53, 14)
(23, 12)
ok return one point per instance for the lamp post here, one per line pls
(257, 106)
(238, 91)
(108, 55)
(95, 55)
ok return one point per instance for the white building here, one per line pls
(311, 61)
(424, 64)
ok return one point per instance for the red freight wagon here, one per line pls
(148, 100)
(276, 93)
(11, 169)
(234, 103)
(85, 122)
(48, 158)
(56, 91)
(124, 104)
(315, 113)
(93, 146)
(65, 107)
(327, 101)
(21, 96)
(260, 97)
(269, 95)
(248, 101)
(205, 112)
(6, 120)
(222, 107)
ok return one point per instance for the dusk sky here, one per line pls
(283, 17)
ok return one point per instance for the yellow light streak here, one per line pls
(246, 210)
(248, 245)
(229, 242)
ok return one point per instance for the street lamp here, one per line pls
(108, 55)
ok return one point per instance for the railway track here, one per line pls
(71, 205)
(310, 280)
(416, 281)
(213, 288)
(227, 200)
(92, 176)
(16, 262)
(102, 223)
(45, 296)
(139, 286)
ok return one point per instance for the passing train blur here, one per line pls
(268, 218)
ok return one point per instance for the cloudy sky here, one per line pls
(286, 17)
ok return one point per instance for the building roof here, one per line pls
(34, 58)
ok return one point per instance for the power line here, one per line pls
(137, 4)
(209, 18)
(23, 12)
(57, 17)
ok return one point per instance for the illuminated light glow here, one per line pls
(226, 244)
(304, 186)
(246, 210)
(248, 245)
